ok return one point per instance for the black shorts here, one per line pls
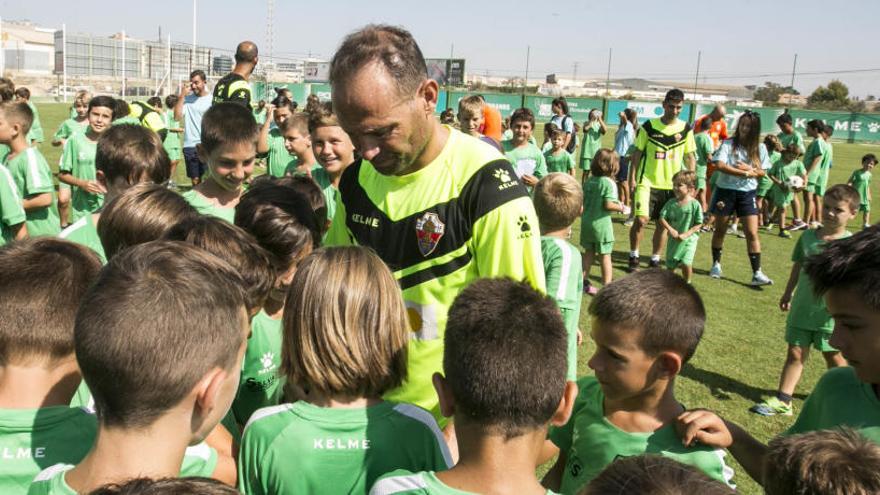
(726, 202)
(649, 201)
(623, 173)
(195, 168)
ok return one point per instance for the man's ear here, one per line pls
(429, 95)
(207, 392)
(447, 401)
(566, 404)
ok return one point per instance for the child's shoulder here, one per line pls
(404, 482)
(838, 380)
(270, 420)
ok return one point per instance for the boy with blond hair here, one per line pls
(470, 119)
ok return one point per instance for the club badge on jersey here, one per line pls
(429, 230)
(422, 321)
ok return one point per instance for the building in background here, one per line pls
(27, 49)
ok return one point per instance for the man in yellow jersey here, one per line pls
(441, 208)
(234, 86)
(663, 146)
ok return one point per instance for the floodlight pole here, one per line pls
(192, 62)
(123, 64)
(64, 61)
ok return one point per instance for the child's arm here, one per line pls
(90, 186)
(691, 231)
(704, 427)
(19, 231)
(263, 141)
(812, 166)
(785, 301)
(613, 206)
(553, 479)
(602, 127)
(672, 232)
(37, 201)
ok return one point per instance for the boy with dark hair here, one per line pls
(629, 407)
(559, 202)
(172, 143)
(298, 143)
(35, 134)
(652, 474)
(125, 155)
(504, 382)
(846, 273)
(525, 157)
(12, 215)
(808, 323)
(146, 418)
(38, 371)
(229, 148)
(861, 180)
(29, 170)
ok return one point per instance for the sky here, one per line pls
(742, 41)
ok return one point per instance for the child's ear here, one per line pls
(670, 363)
(101, 178)
(566, 403)
(447, 401)
(208, 392)
(203, 154)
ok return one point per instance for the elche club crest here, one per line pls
(429, 230)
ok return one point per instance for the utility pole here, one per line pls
(793, 72)
(64, 59)
(574, 73)
(526, 80)
(608, 76)
(123, 64)
(192, 59)
(697, 78)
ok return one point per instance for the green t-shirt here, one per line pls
(462, 217)
(591, 443)
(336, 450)
(591, 144)
(4, 152)
(11, 210)
(260, 116)
(840, 399)
(32, 176)
(663, 148)
(596, 220)
(172, 139)
(85, 232)
(70, 127)
(36, 131)
(784, 171)
(682, 218)
(128, 119)
(206, 207)
(260, 384)
(565, 284)
(563, 162)
(403, 482)
(793, 138)
(705, 148)
(861, 180)
(808, 312)
(78, 159)
(526, 160)
(281, 162)
(34, 439)
(331, 193)
(818, 148)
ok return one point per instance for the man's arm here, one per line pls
(185, 90)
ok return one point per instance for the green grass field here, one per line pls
(739, 360)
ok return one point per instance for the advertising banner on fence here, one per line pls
(578, 108)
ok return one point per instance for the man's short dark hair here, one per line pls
(133, 153)
(783, 119)
(850, 263)
(200, 73)
(393, 48)
(674, 94)
(228, 123)
(666, 310)
(505, 357)
(246, 52)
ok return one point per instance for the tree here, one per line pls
(835, 96)
(769, 93)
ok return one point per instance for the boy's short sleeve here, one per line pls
(38, 179)
(199, 460)
(797, 254)
(540, 165)
(697, 213)
(608, 189)
(11, 211)
(570, 160)
(664, 212)
(67, 157)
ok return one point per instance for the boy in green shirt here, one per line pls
(29, 171)
(808, 321)
(77, 167)
(38, 370)
(861, 180)
(76, 124)
(782, 193)
(229, 147)
(705, 149)
(334, 152)
(594, 129)
(298, 143)
(504, 384)
(559, 202)
(526, 158)
(146, 419)
(12, 216)
(172, 143)
(682, 218)
(629, 407)
(600, 199)
(35, 133)
(470, 119)
(557, 158)
(846, 273)
(271, 142)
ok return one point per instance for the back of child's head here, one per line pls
(558, 201)
(827, 130)
(504, 357)
(522, 115)
(20, 113)
(44, 280)
(345, 325)
(7, 89)
(686, 177)
(167, 486)
(653, 475)
(132, 154)
(790, 153)
(470, 106)
(160, 317)
(23, 93)
(228, 123)
(103, 101)
(235, 246)
(844, 193)
(869, 158)
(281, 220)
(666, 310)
(298, 121)
(828, 462)
(120, 108)
(605, 163)
(772, 143)
(140, 214)
(154, 101)
(852, 264)
(306, 187)
(171, 101)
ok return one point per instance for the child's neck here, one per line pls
(119, 454)
(18, 144)
(826, 232)
(490, 464)
(685, 199)
(341, 402)
(33, 387)
(274, 308)
(558, 151)
(91, 134)
(646, 412)
(307, 157)
(211, 190)
(520, 143)
(559, 234)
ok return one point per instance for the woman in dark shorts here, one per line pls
(623, 140)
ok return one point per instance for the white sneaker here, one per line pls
(759, 279)
(731, 230)
(715, 272)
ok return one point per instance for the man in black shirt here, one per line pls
(234, 86)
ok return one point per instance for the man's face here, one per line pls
(672, 108)
(389, 129)
(281, 114)
(332, 147)
(230, 164)
(197, 84)
(100, 118)
(856, 332)
(622, 367)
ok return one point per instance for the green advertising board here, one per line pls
(768, 116)
(578, 108)
(853, 127)
(504, 103)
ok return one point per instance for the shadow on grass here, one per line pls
(721, 387)
(702, 271)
